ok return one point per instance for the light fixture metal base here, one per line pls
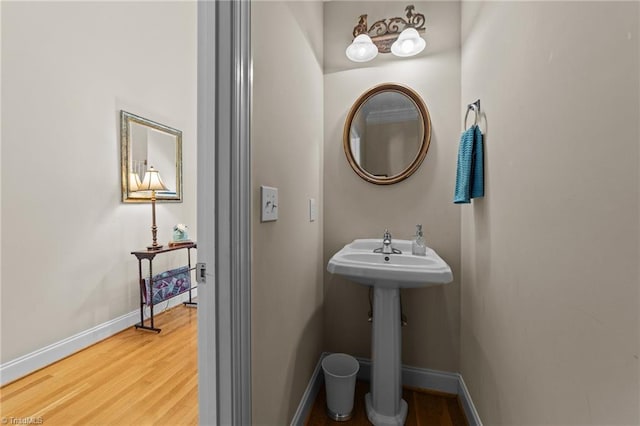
(385, 31)
(156, 247)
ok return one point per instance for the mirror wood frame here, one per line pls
(424, 144)
(126, 120)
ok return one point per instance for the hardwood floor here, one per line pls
(425, 408)
(142, 378)
(133, 378)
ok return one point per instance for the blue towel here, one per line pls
(470, 171)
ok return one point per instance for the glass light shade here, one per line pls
(362, 49)
(409, 43)
(152, 181)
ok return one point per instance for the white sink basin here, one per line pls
(387, 274)
(357, 262)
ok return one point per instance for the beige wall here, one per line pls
(550, 325)
(67, 70)
(354, 208)
(286, 143)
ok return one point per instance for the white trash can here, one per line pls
(340, 382)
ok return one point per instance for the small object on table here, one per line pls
(180, 236)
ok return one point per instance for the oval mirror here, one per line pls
(387, 134)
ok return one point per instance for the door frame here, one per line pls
(224, 212)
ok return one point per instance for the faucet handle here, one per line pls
(387, 235)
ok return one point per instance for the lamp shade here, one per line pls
(152, 181)
(362, 49)
(134, 182)
(409, 43)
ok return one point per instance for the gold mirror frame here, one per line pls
(127, 119)
(424, 145)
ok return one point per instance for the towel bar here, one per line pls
(475, 106)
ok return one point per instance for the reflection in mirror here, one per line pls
(145, 143)
(387, 134)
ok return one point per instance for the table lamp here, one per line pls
(152, 182)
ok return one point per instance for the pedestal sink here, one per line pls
(387, 274)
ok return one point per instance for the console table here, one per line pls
(150, 255)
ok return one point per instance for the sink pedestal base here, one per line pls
(384, 403)
(380, 420)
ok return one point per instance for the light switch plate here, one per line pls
(313, 210)
(268, 204)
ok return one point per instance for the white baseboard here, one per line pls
(310, 393)
(40, 358)
(441, 381)
(469, 409)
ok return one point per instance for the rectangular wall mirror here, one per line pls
(144, 144)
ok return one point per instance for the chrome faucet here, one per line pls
(386, 245)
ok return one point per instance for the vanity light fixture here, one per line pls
(396, 35)
(152, 182)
